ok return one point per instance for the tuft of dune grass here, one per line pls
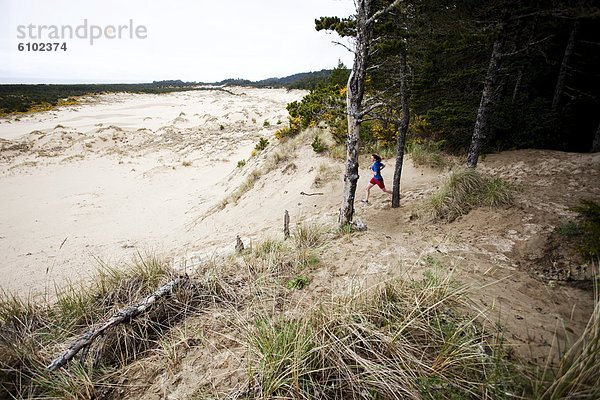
(466, 189)
(400, 339)
(428, 154)
(309, 235)
(326, 173)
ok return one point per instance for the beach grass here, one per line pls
(466, 189)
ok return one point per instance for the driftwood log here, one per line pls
(126, 314)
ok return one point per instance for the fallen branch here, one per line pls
(126, 314)
(312, 194)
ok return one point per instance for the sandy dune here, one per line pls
(151, 180)
(119, 174)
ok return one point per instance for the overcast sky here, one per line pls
(191, 40)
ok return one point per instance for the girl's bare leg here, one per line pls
(368, 190)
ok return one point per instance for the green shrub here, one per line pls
(325, 103)
(318, 145)
(588, 228)
(261, 145)
(570, 229)
(299, 282)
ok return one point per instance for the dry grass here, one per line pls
(32, 334)
(578, 375)
(466, 189)
(309, 235)
(276, 259)
(337, 152)
(403, 340)
(325, 174)
(399, 339)
(428, 155)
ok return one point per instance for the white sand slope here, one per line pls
(120, 174)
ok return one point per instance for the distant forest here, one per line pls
(39, 97)
(305, 80)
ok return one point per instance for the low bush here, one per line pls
(261, 145)
(586, 229)
(318, 144)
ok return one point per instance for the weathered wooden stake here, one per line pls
(239, 245)
(286, 225)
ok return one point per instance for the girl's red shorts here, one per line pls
(378, 182)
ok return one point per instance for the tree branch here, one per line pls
(528, 45)
(343, 45)
(367, 110)
(381, 12)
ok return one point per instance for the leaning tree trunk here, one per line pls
(354, 96)
(401, 131)
(596, 142)
(564, 66)
(487, 98)
(519, 77)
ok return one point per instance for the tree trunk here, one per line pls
(354, 96)
(519, 77)
(517, 84)
(564, 66)
(596, 142)
(401, 131)
(487, 98)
